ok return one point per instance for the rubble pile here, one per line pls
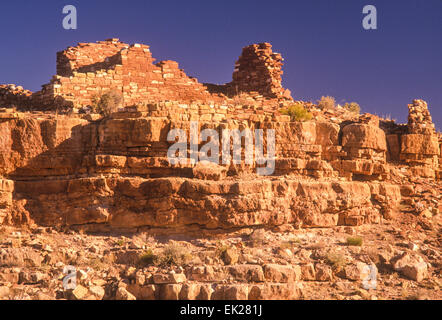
(14, 96)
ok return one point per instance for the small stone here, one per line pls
(230, 256)
(169, 278)
(170, 291)
(123, 294)
(426, 213)
(79, 293)
(413, 266)
(356, 271)
(323, 272)
(350, 230)
(81, 275)
(308, 272)
(97, 291)
(4, 292)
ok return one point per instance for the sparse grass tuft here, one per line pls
(289, 244)
(354, 241)
(336, 260)
(97, 264)
(121, 242)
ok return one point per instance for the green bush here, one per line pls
(297, 112)
(148, 257)
(352, 107)
(107, 103)
(326, 103)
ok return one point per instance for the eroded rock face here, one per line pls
(115, 173)
(181, 202)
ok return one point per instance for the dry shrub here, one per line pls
(326, 103)
(352, 107)
(173, 254)
(148, 258)
(336, 260)
(107, 103)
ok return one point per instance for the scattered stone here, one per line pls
(79, 293)
(97, 291)
(230, 256)
(123, 294)
(413, 266)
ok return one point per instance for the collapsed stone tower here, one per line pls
(259, 69)
(419, 118)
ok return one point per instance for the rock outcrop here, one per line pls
(115, 172)
(274, 227)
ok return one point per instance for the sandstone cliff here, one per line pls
(339, 180)
(114, 173)
(107, 173)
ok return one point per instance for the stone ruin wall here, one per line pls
(91, 69)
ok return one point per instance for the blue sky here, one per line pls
(326, 50)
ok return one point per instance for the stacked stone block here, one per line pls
(420, 146)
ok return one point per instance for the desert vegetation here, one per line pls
(297, 112)
(107, 103)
